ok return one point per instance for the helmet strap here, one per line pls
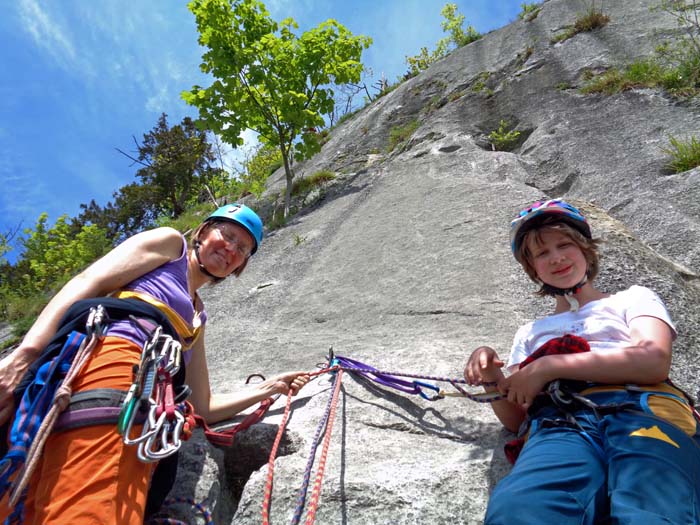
(567, 293)
(206, 272)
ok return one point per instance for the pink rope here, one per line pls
(271, 462)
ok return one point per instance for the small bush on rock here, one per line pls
(592, 19)
(503, 138)
(307, 184)
(683, 155)
(529, 11)
(401, 134)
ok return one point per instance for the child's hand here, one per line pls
(522, 386)
(483, 365)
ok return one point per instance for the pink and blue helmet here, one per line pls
(537, 212)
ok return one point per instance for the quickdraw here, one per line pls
(152, 394)
(414, 387)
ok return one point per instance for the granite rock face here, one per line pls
(403, 262)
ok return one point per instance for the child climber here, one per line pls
(609, 439)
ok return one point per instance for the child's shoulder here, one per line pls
(634, 293)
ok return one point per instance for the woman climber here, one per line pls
(88, 475)
(608, 438)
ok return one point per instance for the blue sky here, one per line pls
(79, 78)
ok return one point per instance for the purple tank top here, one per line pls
(168, 284)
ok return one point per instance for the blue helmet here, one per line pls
(243, 216)
(534, 214)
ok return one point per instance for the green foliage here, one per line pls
(503, 138)
(50, 257)
(529, 11)
(257, 168)
(683, 155)
(298, 239)
(643, 73)
(278, 221)
(305, 185)
(5, 247)
(176, 165)
(176, 172)
(675, 66)
(452, 25)
(269, 79)
(480, 82)
(592, 19)
(457, 37)
(401, 134)
(54, 254)
(189, 219)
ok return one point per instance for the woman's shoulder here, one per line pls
(165, 240)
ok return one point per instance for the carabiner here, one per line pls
(422, 394)
(95, 324)
(146, 451)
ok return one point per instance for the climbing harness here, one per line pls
(567, 397)
(41, 405)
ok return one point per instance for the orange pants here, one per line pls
(87, 476)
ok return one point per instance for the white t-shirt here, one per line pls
(604, 323)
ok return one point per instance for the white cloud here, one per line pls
(47, 32)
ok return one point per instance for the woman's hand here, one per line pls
(289, 382)
(12, 369)
(483, 366)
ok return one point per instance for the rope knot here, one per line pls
(62, 396)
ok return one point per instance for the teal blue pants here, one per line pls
(623, 468)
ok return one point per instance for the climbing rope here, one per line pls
(301, 498)
(271, 462)
(337, 365)
(414, 387)
(94, 327)
(316, 491)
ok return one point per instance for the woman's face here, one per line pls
(557, 259)
(224, 247)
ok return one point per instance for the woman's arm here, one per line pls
(133, 258)
(646, 360)
(220, 407)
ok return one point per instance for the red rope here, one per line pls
(316, 491)
(271, 462)
(225, 438)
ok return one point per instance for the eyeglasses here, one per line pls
(233, 240)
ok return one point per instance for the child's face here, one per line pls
(557, 259)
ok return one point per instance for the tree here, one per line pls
(55, 254)
(176, 165)
(458, 37)
(135, 207)
(683, 55)
(267, 78)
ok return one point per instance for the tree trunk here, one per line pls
(289, 175)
